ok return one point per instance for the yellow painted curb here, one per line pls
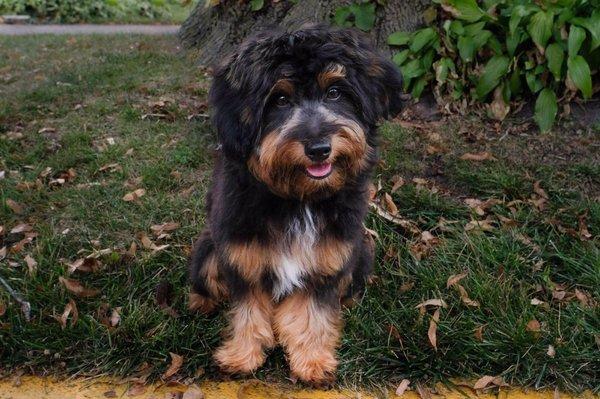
(102, 388)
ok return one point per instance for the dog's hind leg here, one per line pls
(207, 288)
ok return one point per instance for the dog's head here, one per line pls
(299, 109)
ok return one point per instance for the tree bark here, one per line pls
(213, 31)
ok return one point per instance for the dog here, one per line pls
(296, 116)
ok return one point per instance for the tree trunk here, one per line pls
(213, 30)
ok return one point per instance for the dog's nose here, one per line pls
(318, 151)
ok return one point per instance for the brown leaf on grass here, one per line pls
(432, 331)
(111, 168)
(21, 228)
(478, 157)
(406, 286)
(483, 382)
(136, 390)
(536, 302)
(115, 316)
(31, 264)
(15, 206)
(432, 302)
(584, 233)
(193, 392)
(146, 242)
(583, 297)
(176, 363)
(159, 229)
(389, 205)
(455, 278)
(551, 352)
(70, 307)
(3, 251)
(464, 296)
(86, 265)
(479, 333)
(533, 325)
(406, 224)
(397, 182)
(402, 387)
(2, 309)
(134, 195)
(499, 108)
(480, 225)
(77, 288)
(539, 190)
(481, 207)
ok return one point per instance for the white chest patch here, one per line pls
(297, 254)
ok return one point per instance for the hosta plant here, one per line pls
(500, 51)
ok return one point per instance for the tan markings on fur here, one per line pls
(309, 334)
(250, 258)
(284, 86)
(331, 255)
(248, 335)
(331, 74)
(375, 69)
(200, 303)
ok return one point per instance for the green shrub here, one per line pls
(83, 10)
(499, 51)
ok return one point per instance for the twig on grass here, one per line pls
(25, 306)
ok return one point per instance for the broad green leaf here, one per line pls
(513, 40)
(540, 28)
(473, 29)
(341, 15)
(494, 44)
(515, 81)
(427, 59)
(579, 72)
(495, 69)
(533, 82)
(517, 14)
(467, 10)
(422, 38)
(256, 5)
(442, 69)
(555, 56)
(592, 24)
(469, 45)
(364, 15)
(412, 69)
(418, 87)
(545, 109)
(576, 38)
(400, 57)
(457, 27)
(398, 38)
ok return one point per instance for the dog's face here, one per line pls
(300, 109)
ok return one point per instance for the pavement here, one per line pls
(28, 387)
(86, 29)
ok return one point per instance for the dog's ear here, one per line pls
(235, 97)
(378, 81)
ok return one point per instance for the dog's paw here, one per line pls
(317, 371)
(200, 303)
(234, 357)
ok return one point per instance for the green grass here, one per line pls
(94, 91)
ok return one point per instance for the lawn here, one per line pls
(105, 156)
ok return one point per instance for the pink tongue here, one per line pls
(319, 170)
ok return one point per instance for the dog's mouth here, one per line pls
(319, 170)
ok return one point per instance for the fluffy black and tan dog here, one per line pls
(296, 116)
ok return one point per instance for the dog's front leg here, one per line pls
(249, 334)
(309, 330)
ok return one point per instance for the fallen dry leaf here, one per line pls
(15, 206)
(86, 265)
(406, 224)
(115, 317)
(2, 252)
(483, 225)
(539, 190)
(193, 392)
(176, 363)
(77, 288)
(70, 307)
(111, 168)
(21, 228)
(483, 382)
(455, 278)
(134, 195)
(533, 325)
(551, 351)
(478, 157)
(432, 331)
(464, 296)
(31, 264)
(479, 333)
(159, 229)
(397, 182)
(389, 205)
(432, 302)
(536, 302)
(2, 309)
(583, 297)
(402, 387)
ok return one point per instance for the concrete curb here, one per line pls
(101, 388)
(87, 29)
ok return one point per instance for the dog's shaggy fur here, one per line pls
(296, 117)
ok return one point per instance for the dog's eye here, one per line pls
(282, 101)
(333, 94)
